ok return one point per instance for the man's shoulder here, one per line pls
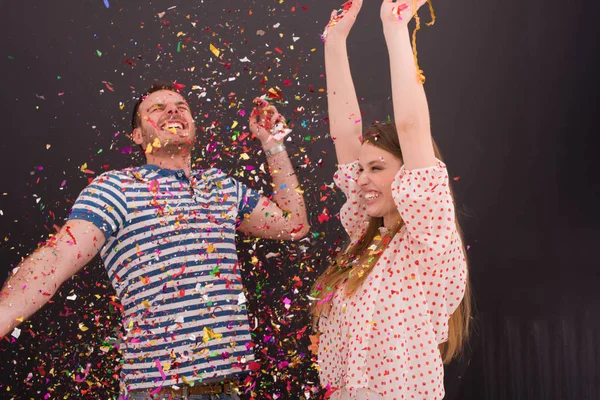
(119, 176)
(210, 175)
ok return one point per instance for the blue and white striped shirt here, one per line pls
(171, 257)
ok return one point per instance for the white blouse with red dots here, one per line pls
(382, 341)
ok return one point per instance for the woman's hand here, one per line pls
(398, 13)
(342, 20)
(266, 124)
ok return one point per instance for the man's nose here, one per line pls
(172, 109)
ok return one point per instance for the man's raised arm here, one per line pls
(40, 275)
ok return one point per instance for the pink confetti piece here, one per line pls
(326, 299)
(82, 379)
(162, 375)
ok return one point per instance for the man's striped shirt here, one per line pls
(171, 257)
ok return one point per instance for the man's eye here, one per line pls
(376, 169)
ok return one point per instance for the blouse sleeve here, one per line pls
(425, 204)
(436, 254)
(353, 214)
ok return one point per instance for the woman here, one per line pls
(395, 304)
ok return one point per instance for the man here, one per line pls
(166, 235)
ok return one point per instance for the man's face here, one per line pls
(166, 122)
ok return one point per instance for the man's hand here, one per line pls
(267, 124)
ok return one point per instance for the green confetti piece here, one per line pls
(179, 47)
(99, 53)
(11, 58)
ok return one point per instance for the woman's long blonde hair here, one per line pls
(352, 266)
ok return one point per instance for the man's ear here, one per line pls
(136, 135)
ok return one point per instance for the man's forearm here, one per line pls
(286, 190)
(41, 274)
(29, 289)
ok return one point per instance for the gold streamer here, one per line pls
(420, 75)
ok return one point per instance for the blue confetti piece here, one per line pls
(106, 3)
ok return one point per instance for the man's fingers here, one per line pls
(277, 118)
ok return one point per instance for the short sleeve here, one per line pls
(425, 203)
(102, 203)
(247, 199)
(353, 213)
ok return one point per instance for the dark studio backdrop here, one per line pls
(513, 93)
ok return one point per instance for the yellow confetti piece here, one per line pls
(156, 142)
(82, 327)
(214, 50)
(235, 123)
(211, 248)
(244, 156)
(83, 167)
(149, 148)
(20, 319)
(209, 334)
(146, 303)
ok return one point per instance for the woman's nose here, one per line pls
(362, 179)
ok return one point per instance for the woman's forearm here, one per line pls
(411, 112)
(344, 112)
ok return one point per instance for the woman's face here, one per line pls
(378, 168)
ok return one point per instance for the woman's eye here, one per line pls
(376, 169)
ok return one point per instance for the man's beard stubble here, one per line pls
(168, 147)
